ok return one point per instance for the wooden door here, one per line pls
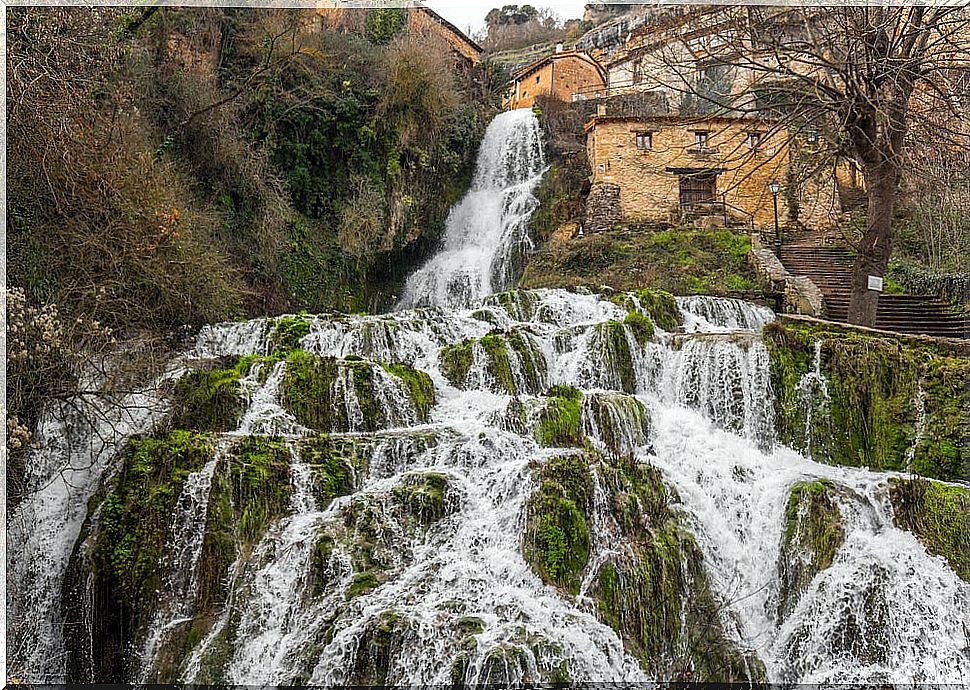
(698, 189)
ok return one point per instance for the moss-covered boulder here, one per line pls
(418, 385)
(333, 463)
(872, 415)
(659, 305)
(655, 593)
(329, 394)
(938, 515)
(287, 333)
(424, 497)
(560, 422)
(121, 561)
(811, 537)
(380, 644)
(210, 399)
(620, 422)
(557, 538)
(612, 357)
(512, 361)
(521, 305)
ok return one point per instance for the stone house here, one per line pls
(665, 167)
(566, 75)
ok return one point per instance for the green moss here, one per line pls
(310, 394)
(530, 358)
(288, 333)
(677, 260)
(560, 422)
(557, 536)
(872, 417)
(259, 468)
(332, 470)
(362, 583)
(641, 326)
(662, 308)
(812, 535)
(423, 496)
(456, 361)
(380, 644)
(320, 579)
(471, 625)
(939, 515)
(620, 419)
(519, 304)
(656, 594)
(210, 400)
(419, 385)
(497, 362)
(136, 519)
(614, 349)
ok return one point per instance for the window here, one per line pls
(700, 139)
(538, 78)
(644, 140)
(754, 140)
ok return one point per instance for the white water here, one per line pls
(486, 234)
(708, 399)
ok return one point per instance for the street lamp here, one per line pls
(775, 188)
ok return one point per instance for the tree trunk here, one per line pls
(876, 246)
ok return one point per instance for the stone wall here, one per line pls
(603, 210)
(424, 22)
(649, 179)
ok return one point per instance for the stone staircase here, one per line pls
(830, 268)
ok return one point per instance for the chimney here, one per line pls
(559, 47)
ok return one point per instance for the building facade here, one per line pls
(661, 167)
(566, 75)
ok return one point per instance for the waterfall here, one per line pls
(486, 235)
(403, 547)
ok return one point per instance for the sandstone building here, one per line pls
(566, 75)
(666, 167)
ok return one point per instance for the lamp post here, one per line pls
(775, 188)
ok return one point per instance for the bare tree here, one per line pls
(880, 86)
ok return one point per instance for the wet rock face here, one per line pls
(812, 534)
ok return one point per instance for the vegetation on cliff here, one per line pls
(939, 515)
(874, 414)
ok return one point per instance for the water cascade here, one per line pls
(520, 487)
(486, 234)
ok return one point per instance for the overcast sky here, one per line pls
(471, 13)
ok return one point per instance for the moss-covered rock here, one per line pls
(811, 537)
(939, 515)
(641, 326)
(557, 539)
(381, 643)
(136, 519)
(871, 416)
(423, 496)
(656, 594)
(258, 469)
(332, 462)
(457, 360)
(419, 385)
(287, 333)
(659, 305)
(210, 399)
(521, 305)
(620, 421)
(560, 423)
(316, 389)
(614, 356)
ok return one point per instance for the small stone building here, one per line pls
(566, 75)
(663, 167)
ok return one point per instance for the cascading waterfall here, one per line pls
(411, 568)
(486, 234)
